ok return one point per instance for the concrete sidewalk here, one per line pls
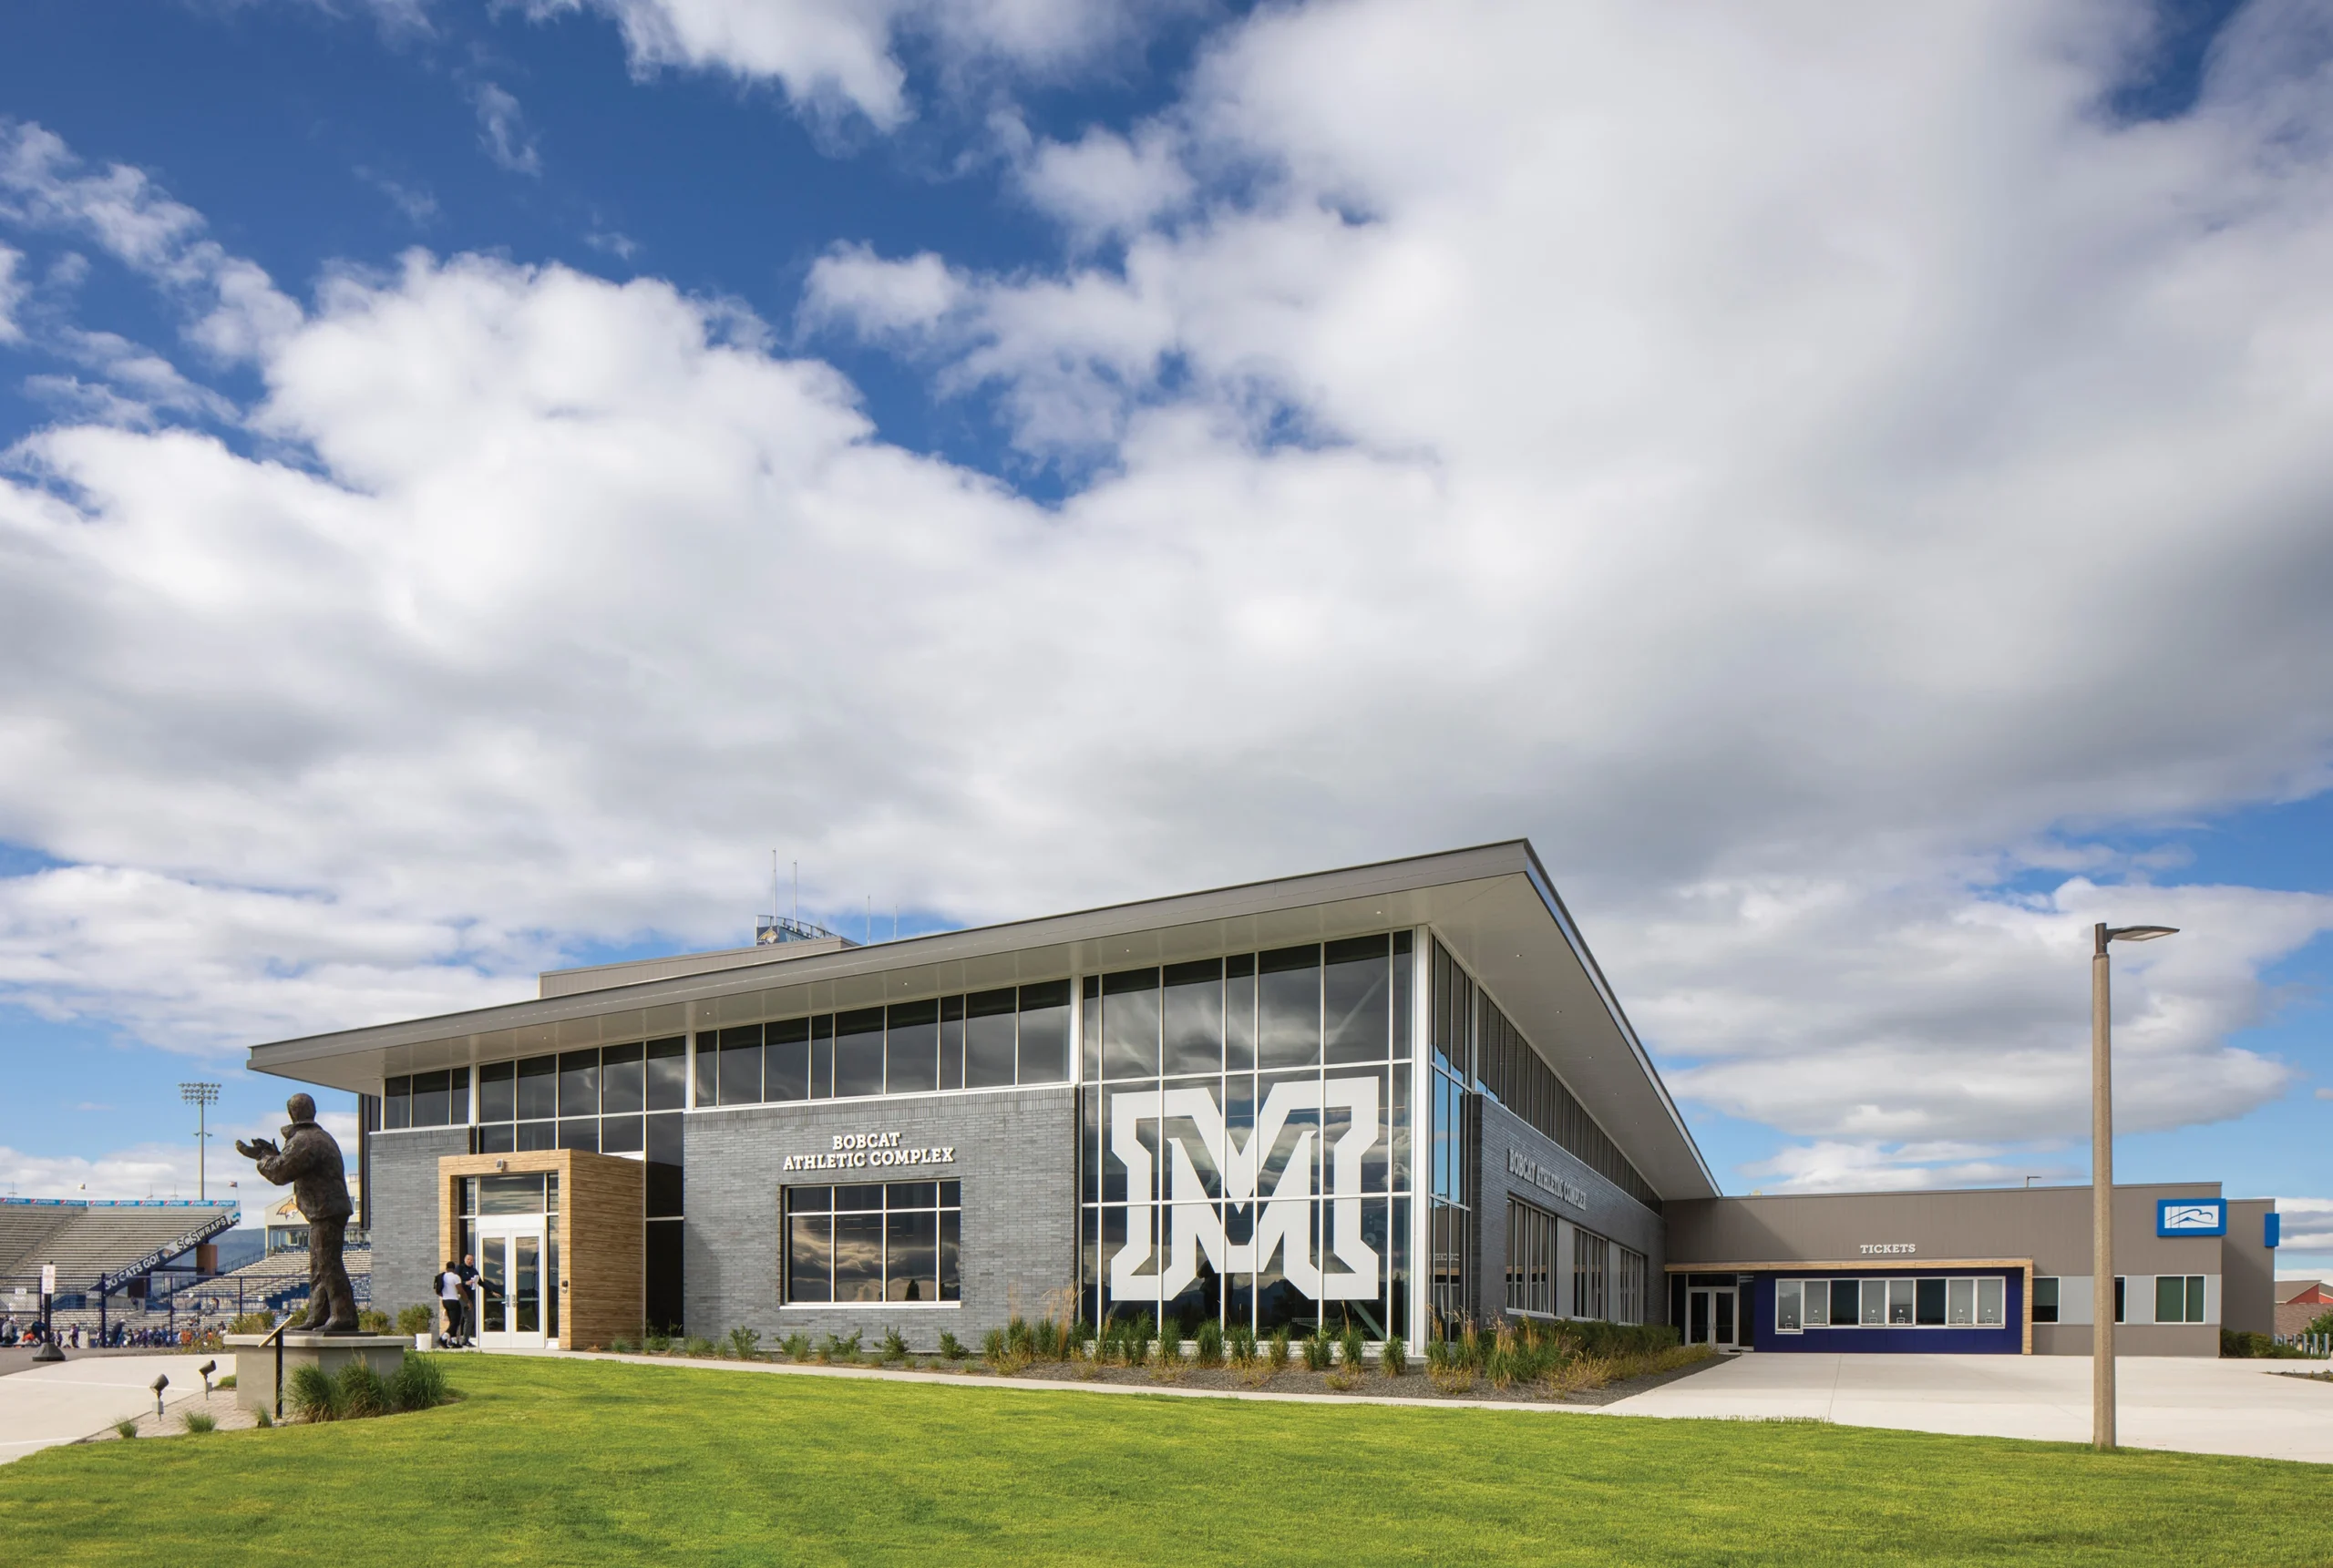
(2163, 1403)
(43, 1406)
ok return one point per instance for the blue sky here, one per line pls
(481, 478)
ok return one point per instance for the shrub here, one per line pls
(796, 1345)
(1276, 1356)
(418, 1385)
(745, 1343)
(2320, 1324)
(1320, 1349)
(1239, 1347)
(125, 1428)
(953, 1348)
(1352, 1348)
(1395, 1360)
(415, 1319)
(1048, 1341)
(895, 1349)
(362, 1392)
(1140, 1334)
(1210, 1343)
(996, 1347)
(1019, 1339)
(199, 1422)
(371, 1322)
(226, 1382)
(697, 1346)
(265, 1420)
(257, 1323)
(657, 1342)
(848, 1345)
(313, 1396)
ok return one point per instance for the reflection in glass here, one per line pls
(741, 1065)
(622, 1134)
(786, 1060)
(951, 1282)
(990, 1037)
(809, 1258)
(580, 1134)
(1194, 1017)
(952, 1042)
(911, 1049)
(859, 1063)
(526, 1285)
(429, 1100)
(858, 1257)
(822, 1058)
(912, 1257)
(1130, 1024)
(494, 1267)
(1356, 1000)
(1240, 1013)
(534, 1135)
(1288, 1007)
(623, 1080)
(497, 1097)
(1044, 1032)
(579, 1084)
(668, 1074)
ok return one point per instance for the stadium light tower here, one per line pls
(2102, 1179)
(201, 1096)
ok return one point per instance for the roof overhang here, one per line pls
(1494, 906)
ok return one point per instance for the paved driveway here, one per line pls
(43, 1406)
(2165, 1402)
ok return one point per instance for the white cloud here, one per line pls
(234, 310)
(12, 295)
(1104, 185)
(1806, 478)
(502, 130)
(163, 1170)
(836, 56)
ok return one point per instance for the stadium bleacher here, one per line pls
(94, 1240)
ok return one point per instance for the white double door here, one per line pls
(509, 1304)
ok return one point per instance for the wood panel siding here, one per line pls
(602, 1235)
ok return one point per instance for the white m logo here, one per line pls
(1283, 1221)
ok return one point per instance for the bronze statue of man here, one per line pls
(309, 1160)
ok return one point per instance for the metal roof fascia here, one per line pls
(1448, 867)
(1545, 886)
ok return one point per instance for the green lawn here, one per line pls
(589, 1462)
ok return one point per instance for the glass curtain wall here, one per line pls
(1452, 1194)
(1245, 1152)
(986, 1040)
(609, 1100)
(876, 1241)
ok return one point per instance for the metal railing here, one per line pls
(2315, 1345)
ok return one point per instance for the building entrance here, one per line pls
(1709, 1316)
(509, 1308)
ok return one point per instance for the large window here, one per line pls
(1245, 1152)
(2045, 1300)
(2178, 1299)
(1591, 1273)
(427, 1099)
(1968, 1301)
(891, 1242)
(1530, 1258)
(987, 1039)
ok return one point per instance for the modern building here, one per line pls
(1385, 1096)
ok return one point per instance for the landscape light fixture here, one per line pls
(201, 1096)
(2102, 1179)
(160, 1383)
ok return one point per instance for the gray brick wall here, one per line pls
(1611, 1212)
(1015, 1155)
(404, 1213)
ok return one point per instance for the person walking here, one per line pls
(449, 1295)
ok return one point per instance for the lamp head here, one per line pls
(2140, 933)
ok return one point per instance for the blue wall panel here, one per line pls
(2007, 1340)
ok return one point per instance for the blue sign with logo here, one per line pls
(2191, 1216)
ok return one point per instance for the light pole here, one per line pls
(2101, 1180)
(201, 1096)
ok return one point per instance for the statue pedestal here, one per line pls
(256, 1360)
